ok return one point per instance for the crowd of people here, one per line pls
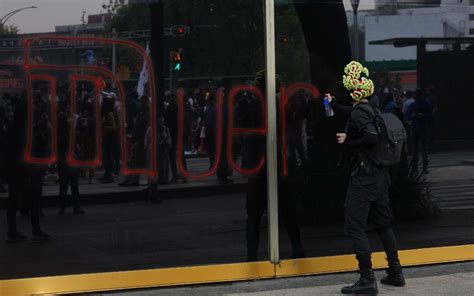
(415, 108)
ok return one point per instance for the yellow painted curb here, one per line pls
(344, 263)
(221, 273)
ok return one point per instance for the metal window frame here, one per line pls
(272, 165)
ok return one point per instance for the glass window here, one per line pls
(420, 69)
(132, 133)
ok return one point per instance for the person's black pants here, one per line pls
(25, 187)
(173, 161)
(68, 177)
(223, 166)
(367, 198)
(256, 205)
(109, 148)
(420, 144)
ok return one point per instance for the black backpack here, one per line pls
(392, 137)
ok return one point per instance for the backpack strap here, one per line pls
(371, 111)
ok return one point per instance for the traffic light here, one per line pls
(177, 60)
(179, 31)
(283, 39)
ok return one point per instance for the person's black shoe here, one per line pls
(41, 237)
(396, 280)
(16, 238)
(366, 285)
(61, 212)
(394, 275)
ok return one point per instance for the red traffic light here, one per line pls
(178, 31)
(284, 39)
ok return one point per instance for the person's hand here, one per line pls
(329, 97)
(341, 138)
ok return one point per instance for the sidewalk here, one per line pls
(449, 279)
(444, 167)
(98, 193)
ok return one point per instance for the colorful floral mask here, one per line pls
(357, 81)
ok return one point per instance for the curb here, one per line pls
(141, 194)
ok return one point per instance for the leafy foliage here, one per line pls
(410, 194)
(8, 29)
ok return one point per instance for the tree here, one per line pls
(130, 17)
(8, 29)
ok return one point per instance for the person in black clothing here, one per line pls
(367, 194)
(138, 157)
(68, 176)
(109, 137)
(4, 127)
(171, 121)
(297, 112)
(256, 200)
(420, 115)
(25, 181)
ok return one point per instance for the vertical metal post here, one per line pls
(272, 167)
(355, 7)
(356, 36)
(172, 53)
(114, 52)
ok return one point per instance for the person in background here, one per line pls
(407, 102)
(171, 121)
(420, 114)
(163, 144)
(25, 181)
(87, 136)
(408, 124)
(432, 99)
(4, 127)
(297, 112)
(109, 137)
(137, 160)
(390, 104)
(68, 176)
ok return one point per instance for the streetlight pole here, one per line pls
(355, 7)
(7, 16)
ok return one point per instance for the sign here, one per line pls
(11, 78)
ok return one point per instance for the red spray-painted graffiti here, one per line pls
(102, 73)
(98, 82)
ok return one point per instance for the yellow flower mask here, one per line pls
(361, 87)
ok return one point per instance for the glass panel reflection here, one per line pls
(414, 77)
(128, 133)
